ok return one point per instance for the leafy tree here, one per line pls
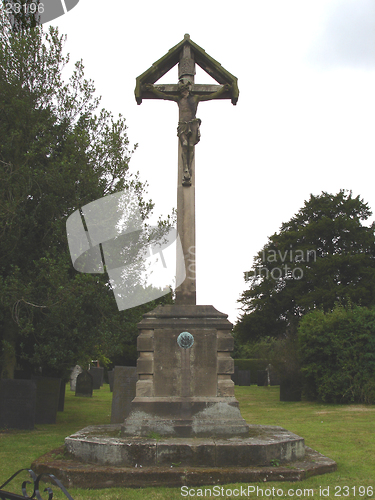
(337, 352)
(23, 14)
(323, 255)
(57, 153)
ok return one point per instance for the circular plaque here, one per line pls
(185, 340)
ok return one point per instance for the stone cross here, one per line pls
(187, 95)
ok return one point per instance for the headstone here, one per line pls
(84, 385)
(234, 376)
(125, 379)
(17, 404)
(47, 399)
(61, 403)
(98, 375)
(111, 374)
(73, 377)
(273, 375)
(243, 377)
(262, 378)
(290, 387)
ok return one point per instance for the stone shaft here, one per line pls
(186, 292)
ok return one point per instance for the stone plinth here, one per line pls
(185, 392)
(125, 378)
(103, 445)
(185, 417)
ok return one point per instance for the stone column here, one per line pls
(186, 292)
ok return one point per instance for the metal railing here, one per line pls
(6, 495)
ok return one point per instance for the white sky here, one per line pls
(304, 122)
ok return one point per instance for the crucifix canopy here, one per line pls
(175, 56)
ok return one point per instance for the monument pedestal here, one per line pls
(185, 392)
(185, 413)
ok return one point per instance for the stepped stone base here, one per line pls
(75, 474)
(184, 425)
(103, 445)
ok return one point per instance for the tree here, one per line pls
(322, 256)
(23, 14)
(337, 352)
(57, 153)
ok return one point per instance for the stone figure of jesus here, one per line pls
(188, 124)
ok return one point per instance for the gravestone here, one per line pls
(84, 385)
(273, 375)
(234, 375)
(47, 399)
(244, 377)
(262, 378)
(61, 403)
(290, 387)
(98, 375)
(17, 404)
(111, 374)
(73, 376)
(124, 382)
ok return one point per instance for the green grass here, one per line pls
(341, 432)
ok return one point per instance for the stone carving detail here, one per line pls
(186, 67)
(185, 340)
(188, 124)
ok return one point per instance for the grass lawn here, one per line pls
(343, 433)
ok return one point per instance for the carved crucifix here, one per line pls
(187, 95)
(188, 124)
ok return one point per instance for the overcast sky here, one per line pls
(304, 122)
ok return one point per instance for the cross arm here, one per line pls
(216, 94)
(159, 92)
(204, 91)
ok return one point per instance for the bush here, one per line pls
(337, 352)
